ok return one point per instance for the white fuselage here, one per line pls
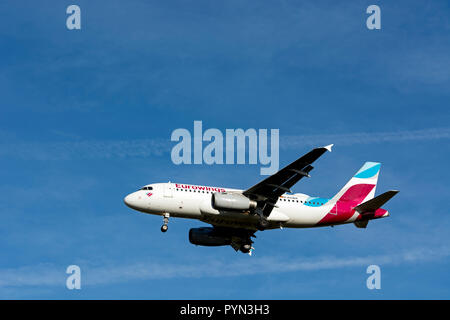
(194, 202)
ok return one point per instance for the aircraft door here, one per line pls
(168, 190)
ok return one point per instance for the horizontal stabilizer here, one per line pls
(376, 203)
(361, 224)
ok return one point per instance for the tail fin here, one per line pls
(361, 187)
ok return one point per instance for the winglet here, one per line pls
(328, 147)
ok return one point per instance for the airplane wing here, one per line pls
(267, 192)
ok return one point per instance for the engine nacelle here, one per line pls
(231, 201)
(208, 237)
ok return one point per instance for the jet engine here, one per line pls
(231, 201)
(208, 237)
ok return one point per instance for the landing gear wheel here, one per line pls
(246, 248)
(166, 221)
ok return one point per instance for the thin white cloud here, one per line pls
(51, 275)
(91, 149)
(347, 139)
(141, 148)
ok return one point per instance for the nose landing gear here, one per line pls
(165, 226)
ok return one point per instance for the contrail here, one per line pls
(144, 148)
(348, 139)
(90, 149)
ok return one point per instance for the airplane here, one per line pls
(236, 215)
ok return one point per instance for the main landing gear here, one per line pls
(242, 243)
(246, 248)
(165, 226)
(262, 222)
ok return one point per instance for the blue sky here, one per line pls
(86, 118)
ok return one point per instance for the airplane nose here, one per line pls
(127, 200)
(134, 201)
(131, 200)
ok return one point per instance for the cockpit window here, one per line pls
(147, 188)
